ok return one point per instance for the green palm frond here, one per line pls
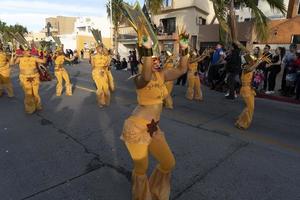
(154, 5)
(277, 5)
(260, 20)
(117, 14)
(221, 13)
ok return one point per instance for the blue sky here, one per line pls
(32, 13)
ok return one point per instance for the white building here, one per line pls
(36, 37)
(244, 14)
(182, 13)
(83, 25)
(82, 37)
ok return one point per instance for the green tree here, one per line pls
(225, 13)
(5, 29)
(154, 6)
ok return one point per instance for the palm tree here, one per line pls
(5, 29)
(154, 6)
(225, 13)
(114, 11)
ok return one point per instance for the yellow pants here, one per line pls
(5, 82)
(102, 83)
(169, 101)
(61, 75)
(111, 81)
(194, 87)
(158, 186)
(246, 116)
(30, 85)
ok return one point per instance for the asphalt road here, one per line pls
(71, 150)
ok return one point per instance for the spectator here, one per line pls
(256, 52)
(124, 64)
(263, 65)
(287, 62)
(118, 64)
(76, 57)
(297, 66)
(133, 62)
(274, 68)
(82, 53)
(233, 67)
(217, 62)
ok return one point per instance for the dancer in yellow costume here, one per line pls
(169, 65)
(248, 94)
(100, 62)
(194, 85)
(30, 80)
(61, 73)
(5, 81)
(141, 132)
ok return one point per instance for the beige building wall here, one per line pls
(35, 36)
(184, 17)
(88, 42)
(63, 25)
(66, 25)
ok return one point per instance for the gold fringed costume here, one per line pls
(102, 77)
(30, 82)
(62, 74)
(5, 80)
(168, 102)
(194, 85)
(248, 94)
(141, 137)
(141, 132)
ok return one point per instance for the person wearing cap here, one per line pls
(141, 132)
(5, 81)
(169, 65)
(100, 64)
(29, 79)
(61, 73)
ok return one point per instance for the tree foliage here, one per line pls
(6, 29)
(224, 9)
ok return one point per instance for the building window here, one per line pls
(194, 41)
(81, 29)
(201, 21)
(296, 39)
(169, 25)
(167, 3)
(237, 5)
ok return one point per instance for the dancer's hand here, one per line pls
(184, 40)
(147, 42)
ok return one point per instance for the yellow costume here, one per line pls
(102, 76)
(5, 81)
(142, 137)
(30, 82)
(248, 95)
(194, 85)
(168, 102)
(62, 74)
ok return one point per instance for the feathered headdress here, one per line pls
(21, 40)
(97, 36)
